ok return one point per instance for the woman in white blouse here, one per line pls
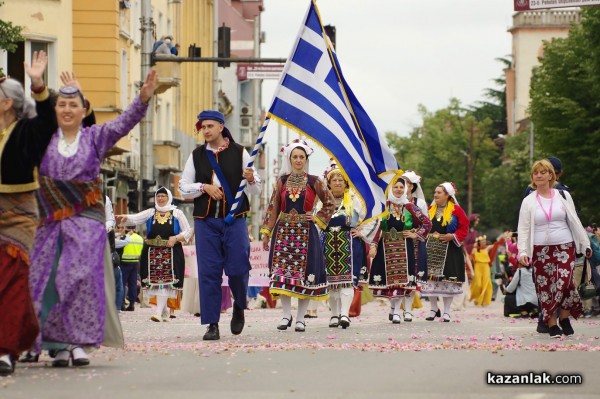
(550, 234)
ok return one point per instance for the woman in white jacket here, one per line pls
(550, 234)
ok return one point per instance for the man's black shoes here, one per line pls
(237, 321)
(212, 333)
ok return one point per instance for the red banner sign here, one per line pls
(524, 5)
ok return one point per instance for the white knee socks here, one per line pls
(447, 303)
(408, 302)
(161, 304)
(302, 306)
(395, 304)
(334, 302)
(346, 296)
(433, 301)
(286, 305)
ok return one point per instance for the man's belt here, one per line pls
(156, 242)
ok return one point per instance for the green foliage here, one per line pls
(565, 109)
(10, 35)
(505, 185)
(439, 150)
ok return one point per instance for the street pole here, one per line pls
(215, 95)
(146, 148)
(256, 125)
(531, 142)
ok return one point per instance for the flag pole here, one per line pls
(236, 202)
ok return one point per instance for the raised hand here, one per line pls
(149, 86)
(35, 71)
(69, 79)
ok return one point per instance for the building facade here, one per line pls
(529, 32)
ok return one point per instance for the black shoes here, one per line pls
(131, 307)
(300, 326)
(237, 320)
(212, 333)
(542, 328)
(6, 368)
(62, 358)
(344, 322)
(29, 357)
(283, 326)
(566, 326)
(334, 322)
(433, 315)
(555, 331)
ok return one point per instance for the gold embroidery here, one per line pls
(295, 185)
(164, 218)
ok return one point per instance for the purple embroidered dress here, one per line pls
(67, 273)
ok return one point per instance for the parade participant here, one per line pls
(445, 258)
(67, 278)
(344, 245)
(115, 259)
(550, 233)
(130, 265)
(394, 269)
(296, 261)
(481, 286)
(414, 192)
(162, 264)
(24, 136)
(473, 233)
(211, 176)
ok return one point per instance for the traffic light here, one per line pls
(330, 31)
(224, 43)
(147, 194)
(132, 201)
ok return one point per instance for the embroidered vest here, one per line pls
(230, 160)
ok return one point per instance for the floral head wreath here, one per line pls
(333, 168)
(481, 238)
(286, 167)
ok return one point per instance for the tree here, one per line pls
(505, 185)
(10, 35)
(565, 109)
(451, 145)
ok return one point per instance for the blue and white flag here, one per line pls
(314, 99)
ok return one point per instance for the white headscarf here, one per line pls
(449, 187)
(415, 179)
(169, 206)
(395, 200)
(286, 167)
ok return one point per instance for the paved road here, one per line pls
(372, 358)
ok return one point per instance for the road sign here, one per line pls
(259, 71)
(524, 5)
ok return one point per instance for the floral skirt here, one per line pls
(553, 276)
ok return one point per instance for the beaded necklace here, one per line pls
(397, 211)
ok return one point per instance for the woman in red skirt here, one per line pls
(550, 234)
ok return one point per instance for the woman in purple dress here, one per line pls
(67, 272)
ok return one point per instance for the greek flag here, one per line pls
(313, 98)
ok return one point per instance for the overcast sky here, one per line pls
(397, 54)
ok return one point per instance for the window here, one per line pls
(14, 61)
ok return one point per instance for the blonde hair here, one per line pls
(543, 164)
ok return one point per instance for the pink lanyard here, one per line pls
(549, 213)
